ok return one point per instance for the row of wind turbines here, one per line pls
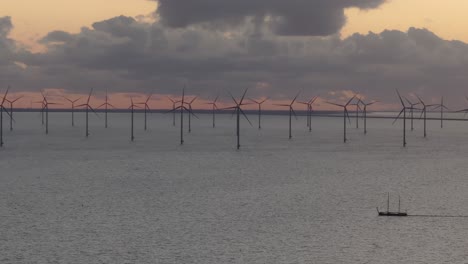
(185, 106)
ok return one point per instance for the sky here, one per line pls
(274, 48)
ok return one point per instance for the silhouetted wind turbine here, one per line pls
(72, 108)
(190, 114)
(46, 108)
(291, 112)
(106, 104)
(11, 110)
(403, 111)
(146, 107)
(239, 111)
(365, 112)
(214, 108)
(345, 115)
(442, 107)
(88, 106)
(181, 107)
(424, 113)
(412, 105)
(174, 102)
(357, 110)
(259, 103)
(132, 108)
(309, 111)
(2, 108)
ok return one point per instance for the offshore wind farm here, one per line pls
(234, 131)
(274, 191)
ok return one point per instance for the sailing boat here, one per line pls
(388, 212)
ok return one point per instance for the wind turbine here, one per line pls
(88, 106)
(357, 111)
(291, 112)
(345, 115)
(132, 108)
(412, 105)
(174, 102)
(442, 107)
(309, 111)
(46, 109)
(106, 104)
(42, 110)
(238, 109)
(181, 107)
(190, 114)
(72, 108)
(365, 113)
(403, 111)
(146, 107)
(214, 108)
(259, 103)
(11, 110)
(424, 113)
(2, 108)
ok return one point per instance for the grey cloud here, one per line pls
(292, 17)
(125, 55)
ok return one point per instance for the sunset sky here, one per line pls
(48, 40)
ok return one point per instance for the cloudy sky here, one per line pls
(329, 48)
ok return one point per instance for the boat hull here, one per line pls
(392, 214)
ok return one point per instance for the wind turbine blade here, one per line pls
(101, 105)
(401, 112)
(281, 104)
(294, 100)
(67, 99)
(14, 101)
(234, 99)
(89, 96)
(111, 105)
(352, 98)
(172, 110)
(243, 96)
(313, 99)
(335, 104)
(5, 96)
(228, 108)
(92, 109)
(193, 100)
(399, 96)
(191, 112)
(294, 112)
(422, 112)
(76, 100)
(6, 110)
(216, 99)
(347, 115)
(242, 111)
(254, 101)
(266, 99)
(409, 102)
(149, 97)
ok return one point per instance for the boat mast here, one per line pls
(398, 203)
(388, 202)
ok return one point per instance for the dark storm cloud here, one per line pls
(286, 17)
(125, 55)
